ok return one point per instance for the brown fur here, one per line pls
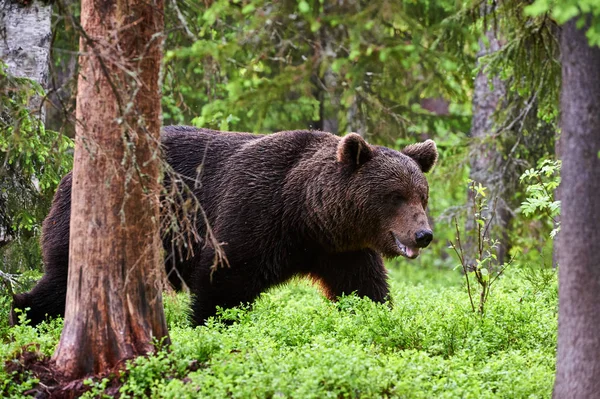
(291, 203)
(425, 154)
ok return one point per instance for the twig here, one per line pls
(462, 262)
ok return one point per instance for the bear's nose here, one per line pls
(423, 238)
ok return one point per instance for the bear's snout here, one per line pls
(423, 238)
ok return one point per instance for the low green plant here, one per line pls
(293, 342)
(482, 262)
(177, 309)
(542, 184)
(19, 343)
(97, 388)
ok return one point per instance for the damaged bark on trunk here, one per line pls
(114, 308)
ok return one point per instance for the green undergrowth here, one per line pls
(294, 343)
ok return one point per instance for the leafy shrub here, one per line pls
(292, 342)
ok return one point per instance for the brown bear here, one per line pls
(305, 203)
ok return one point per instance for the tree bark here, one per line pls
(24, 47)
(114, 300)
(356, 120)
(25, 38)
(485, 159)
(578, 357)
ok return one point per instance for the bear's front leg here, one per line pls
(362, 272)
(228, 286)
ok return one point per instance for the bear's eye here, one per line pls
(424, 201)
(396, 198)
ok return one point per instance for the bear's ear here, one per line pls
(424, 153)
(354, 150)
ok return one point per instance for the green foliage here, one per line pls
(440, 276)
(44, 336)
(97, 389)
(10, 283)
(536, 220)
(175, 307)
(479, 259)
(528, 62)
(544, 180)
(587, 12)
(16, 340)
(265, 66)
(22, 257)
(5, 302)
(295, 343)
(25, 145)
(145, 375)
(34, 160)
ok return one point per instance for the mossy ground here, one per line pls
(294, 343)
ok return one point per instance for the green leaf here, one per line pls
(485, 274)
(304, 7)
(563, 12)
(248, 8)
(537, 8)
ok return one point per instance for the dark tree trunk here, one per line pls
(114, 301)
(578, 358)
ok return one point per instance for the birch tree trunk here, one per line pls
(114, 301)
(578, 357)
(25, 38)
(25, 48)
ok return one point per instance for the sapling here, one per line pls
(482, 263)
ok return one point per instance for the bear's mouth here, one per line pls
(405, 250)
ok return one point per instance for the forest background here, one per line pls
(482, 79)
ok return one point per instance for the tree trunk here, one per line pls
(356, 120)
(114, 300)
(24, 48)
(578, 358)
(485, 159)
(25, 38)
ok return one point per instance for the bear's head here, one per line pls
(389, 193)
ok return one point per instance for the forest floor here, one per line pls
(294, 343)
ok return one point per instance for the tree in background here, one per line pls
(25, 44)
(578, 358)
(515, 108)
(578, 355)
(32, 158)
(114, 307)
(486, 159)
